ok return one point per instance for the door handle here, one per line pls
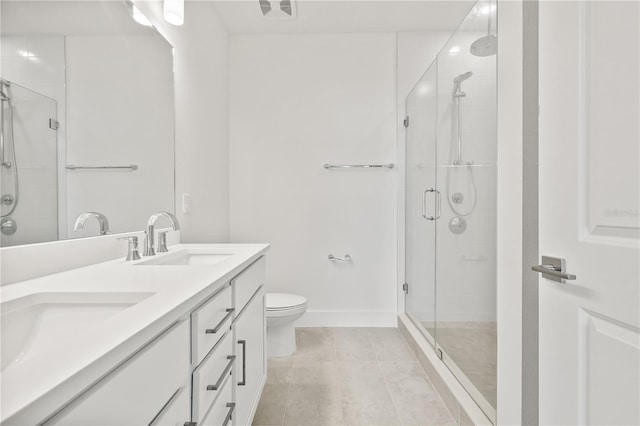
(553, 268)
(244, 362)
(215, 387)
(424, 204)
(217, 328)
(231, 406)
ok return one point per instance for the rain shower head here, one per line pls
(484, 46)
(487, 45)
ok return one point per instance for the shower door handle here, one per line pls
(424, 204)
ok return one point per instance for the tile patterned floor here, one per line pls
(473, 347)
(350, 376)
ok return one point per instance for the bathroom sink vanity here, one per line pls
(173, 339)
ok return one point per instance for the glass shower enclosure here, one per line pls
(29, 166)
(450, 211)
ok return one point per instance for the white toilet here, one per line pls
(282, 310)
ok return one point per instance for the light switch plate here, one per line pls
(186, 203)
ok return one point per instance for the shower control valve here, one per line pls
(8, 226)
(7, 199)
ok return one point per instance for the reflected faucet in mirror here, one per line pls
(102, 220)
(149, 250)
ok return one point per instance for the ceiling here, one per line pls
(345, 16)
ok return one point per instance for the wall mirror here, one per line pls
(87, 119)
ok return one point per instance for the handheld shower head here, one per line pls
(3, 96)
(462, 77)
(457, 81)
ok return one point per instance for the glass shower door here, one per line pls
(421, 108)
(466, 230)
(30, 173)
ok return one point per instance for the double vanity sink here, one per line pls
(62, 334)
(34, 324)
(205, 257)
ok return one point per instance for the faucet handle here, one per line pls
(148, 249)
(162, 242)
(132, 252)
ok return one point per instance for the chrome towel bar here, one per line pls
(72, 167)
(346, 258)
(359, 166)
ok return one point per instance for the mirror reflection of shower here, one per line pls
(456, 162)
(8, 161)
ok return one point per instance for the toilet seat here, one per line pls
(284, 302)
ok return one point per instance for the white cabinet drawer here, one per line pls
(246, 284)
(176, 411)
(210, 322)
(210, 376)
(223, 409)
(137, 390)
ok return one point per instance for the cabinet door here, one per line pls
(138, 390)
(250, 372)
(176, 411)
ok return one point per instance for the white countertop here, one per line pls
(79, 360)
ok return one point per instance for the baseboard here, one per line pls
(348, 319)
(463, 408)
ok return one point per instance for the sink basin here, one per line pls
(32, 324)
(188, 257)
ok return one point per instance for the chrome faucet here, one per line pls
(149, 239)
(102, 220)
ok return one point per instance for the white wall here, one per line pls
(202, 118)
(298, 102)
(120, 112)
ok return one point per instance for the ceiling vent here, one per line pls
(278, 9)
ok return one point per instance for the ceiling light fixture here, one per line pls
(174, 11)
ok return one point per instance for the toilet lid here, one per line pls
(279, 301)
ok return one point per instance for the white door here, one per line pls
(589, 211)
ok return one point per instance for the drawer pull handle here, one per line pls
(217, 328)
(215, 387)
(231, 406)
(244, 364)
